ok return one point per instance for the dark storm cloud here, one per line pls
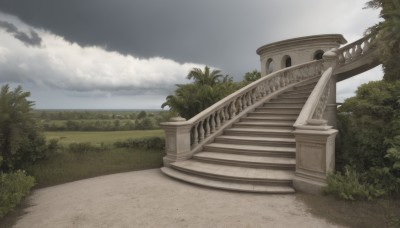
(216, 33)
(32, 40)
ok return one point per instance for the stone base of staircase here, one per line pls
(257, 154)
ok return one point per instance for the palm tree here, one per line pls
(388, 36)
(206, 77)
(18, 133)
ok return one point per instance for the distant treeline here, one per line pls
(101, 120)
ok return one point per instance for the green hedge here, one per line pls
(13, 187)
(144, 143)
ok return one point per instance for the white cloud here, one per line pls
(57, 63)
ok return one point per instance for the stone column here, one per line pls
(177, 140)
(330, 113)
(331, 60)
(315, 156)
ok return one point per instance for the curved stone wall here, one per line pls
(278, 55)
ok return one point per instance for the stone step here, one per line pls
(289, 96)
(235, 173)
(246, 160)
(292, 118)
(272, 122)
(226, 185)
(293, 100)
(283, 105)
(307, 86)
(282, 133)
(255, 140)
(265, 125)
(303, 89)
(269, 114)
(296, 92)
(251, 149)
(278, 110)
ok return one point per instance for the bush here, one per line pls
(81, 148)
(21, 140)
(13, 187)
(347, 186)
(143, 143)
(369, 142)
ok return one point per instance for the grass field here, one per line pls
(97, 137)
(65, 165)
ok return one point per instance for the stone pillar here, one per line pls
(331, 60)
(315, 155)
(177, 140)
(330, 113)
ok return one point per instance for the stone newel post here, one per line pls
(177, 140)
(315, 156)
(315, 141)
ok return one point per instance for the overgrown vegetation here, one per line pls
(208, 88)
(20, 143)
(98, 120)
(388, 36)
(368, 155)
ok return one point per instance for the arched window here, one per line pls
(318, 55)
(286, 61)
(270, 66)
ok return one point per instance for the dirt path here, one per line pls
(150, 199)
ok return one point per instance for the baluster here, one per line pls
(366, 45)
(239, 100)
(207, 127)
(195, 135)
(347, 56)
(341, 58)
(232, 109)
(218, 122)
(226, 113)
(253, 96)
(243, 98)
(223, 118)
(213, 122)
(358, 49)
(201, 131)
(248, 96)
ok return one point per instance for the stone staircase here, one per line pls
(257, 154)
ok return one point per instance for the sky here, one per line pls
(130, 54)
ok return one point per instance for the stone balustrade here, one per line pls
(353, 51)
(195, 132)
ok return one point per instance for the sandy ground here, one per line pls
(150, 199)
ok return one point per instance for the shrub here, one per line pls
(347, 186)
(21, 140)
(144, 143)
(81, 148)
(13, 187)
(369, 125)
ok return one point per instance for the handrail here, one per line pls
(352, 51)
(316, 102)
(213, 118)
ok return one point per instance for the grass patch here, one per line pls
(376, 213)
(65, 166)
(98, 137)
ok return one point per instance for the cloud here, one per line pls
(60, 64)
(32, 40)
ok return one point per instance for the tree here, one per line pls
(369, 137)
(252, 76)
(208, 88)
(142, 115)
(205, 77)
(388, 36)
(20, 139)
